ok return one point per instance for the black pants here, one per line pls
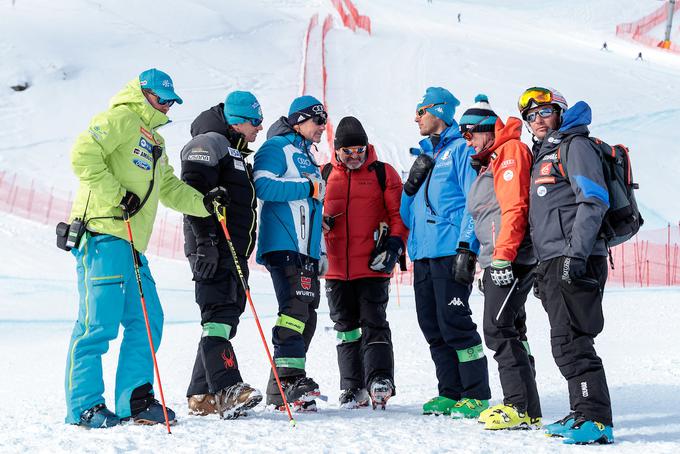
(505, 332)
(222, 300)
(575, 314)
(296, 283)
(445, 319)
(358, 309)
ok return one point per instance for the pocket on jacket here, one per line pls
(583, 301)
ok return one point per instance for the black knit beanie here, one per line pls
(350, 133)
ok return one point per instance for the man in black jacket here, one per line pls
(568, 200)
(215, 156)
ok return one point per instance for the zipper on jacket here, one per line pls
(303, 222)
(493, 234)
(248, 250)
(349, 182)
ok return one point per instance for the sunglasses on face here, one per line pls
(319, 120)
(253, 121)
(161, 101)
(420, 112)
(544, 112)
(468, 130)
(356, 150)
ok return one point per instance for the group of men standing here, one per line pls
(474, 193)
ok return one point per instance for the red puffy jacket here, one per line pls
(359, 204)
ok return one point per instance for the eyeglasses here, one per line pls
(537, 95)
(354, 150)
(253, 121)
(420, 112)
(467, 130)
(161, 101)
(544, 112)
(319, 120)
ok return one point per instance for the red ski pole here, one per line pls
(221, 216)
(126, 219)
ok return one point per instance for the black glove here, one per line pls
(219, 195)
(206, 258)
(573, 268)
(501, 273)
(464, 264)
(384, 261)
(130, 203)
(418, 173)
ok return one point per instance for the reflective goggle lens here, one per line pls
(357, 150)
(543, 113)
(537, 95)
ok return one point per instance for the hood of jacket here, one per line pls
(578, 116)
(212, 120)
(131, 96)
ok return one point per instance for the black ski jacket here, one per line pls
(215, 156)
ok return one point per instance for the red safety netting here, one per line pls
(638, 30)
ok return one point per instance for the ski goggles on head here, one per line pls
(536, 95)
(253, 121)
(353, 150)
(422, 110)
(543, 112)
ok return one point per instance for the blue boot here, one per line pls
(558, 428)
(585, 431)
(98, 417)
(153, 414)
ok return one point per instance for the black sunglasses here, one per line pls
(253, 121)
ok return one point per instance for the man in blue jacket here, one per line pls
(442, 244)
(568, 200)
(289, 183)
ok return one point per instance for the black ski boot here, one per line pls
(354, 398)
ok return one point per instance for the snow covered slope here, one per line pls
(78, 53)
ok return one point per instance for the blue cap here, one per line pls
(443, 103)
(241, 106)
(304, 108)
(160, 83)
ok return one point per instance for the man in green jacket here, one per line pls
(122, 166)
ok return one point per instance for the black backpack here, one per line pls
(622, 220)
(377, 166)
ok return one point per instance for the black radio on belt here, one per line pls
(68, 236)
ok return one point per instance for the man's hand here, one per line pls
(501, 273)
(464, 263)
(323, 264)
(418, 173)
(317, 187)
(207, 258)
(573, 268)
(384, 261)
(130, 203)
(219, 195)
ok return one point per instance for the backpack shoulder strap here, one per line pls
(326, 171)
(563, 149)
(379, 169)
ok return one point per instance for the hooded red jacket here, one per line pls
(358, 203)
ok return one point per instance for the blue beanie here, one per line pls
(305, 107)
(160, 83)
(444, 103)
(479, 117)
(241, 106)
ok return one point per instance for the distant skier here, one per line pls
(499, 203)
(362, 194)
(443, 247)
(216, 156)
(565, 215)
(288, 181)
(459, 18)
(121, 163)
(604, 46)
(639, 57)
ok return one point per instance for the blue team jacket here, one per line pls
(436, 215)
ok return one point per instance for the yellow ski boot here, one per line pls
(508, 417)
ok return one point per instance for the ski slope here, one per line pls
(78, 53)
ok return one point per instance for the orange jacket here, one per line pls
(499, 198)
(358, 203)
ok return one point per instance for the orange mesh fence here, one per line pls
(638, 30)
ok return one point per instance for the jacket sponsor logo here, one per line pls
(238, 165)
(446, 155)
(554, 140)
(147, 134)
(508, 163)
(198, 157)
(508, 174)
(142, 164)
(234, 152)
(541, 191)
(546, 168)
(97, 132)
(306, 282)
(545, 180)
(145, 144)
(303, 161)
(229, 362)
(550, 157)
(142, 154)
